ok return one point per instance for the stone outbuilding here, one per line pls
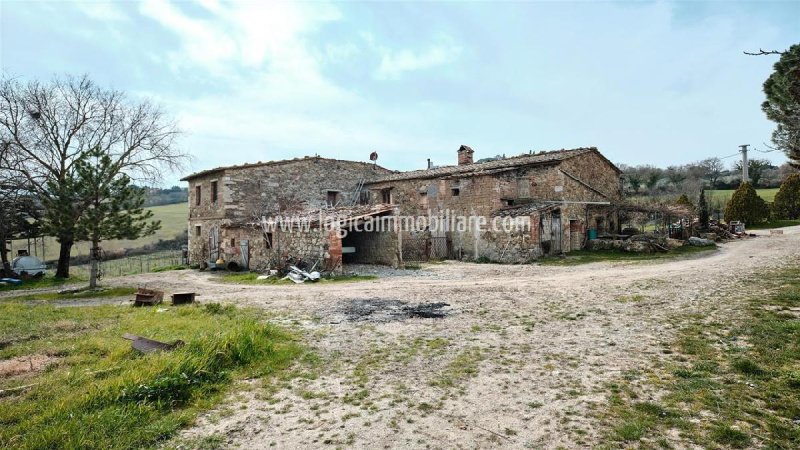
(227, 204)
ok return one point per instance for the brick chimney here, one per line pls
(465, 155)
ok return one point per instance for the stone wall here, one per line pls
(307, 245)
(306, 183)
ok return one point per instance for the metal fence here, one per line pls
(132, 264)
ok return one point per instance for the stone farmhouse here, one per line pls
(512, 209)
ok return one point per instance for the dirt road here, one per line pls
(522, 358)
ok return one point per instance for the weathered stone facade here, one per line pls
(228, 202)
(556, 196)
(572, 191)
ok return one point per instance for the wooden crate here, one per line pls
(148, 297)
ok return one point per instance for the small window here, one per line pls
(268, 240)
(333, 198)
(508, 202)
(363, 198)
(197, 195)
(456, 192)
(197, 230)
(233, 242)
(386, 196)
(214, 192)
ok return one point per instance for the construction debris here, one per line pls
(300, 276)
(145, 345)
(700, 242)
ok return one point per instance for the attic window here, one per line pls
(455, 191)
(508, 202)
(213, 192)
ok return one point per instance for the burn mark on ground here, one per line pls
(382, 310)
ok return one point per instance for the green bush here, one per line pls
(683, 200)
(787, 200)
(745, 205)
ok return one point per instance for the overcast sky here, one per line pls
(645, 82)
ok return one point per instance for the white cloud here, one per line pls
(105, 11)
(396, 62)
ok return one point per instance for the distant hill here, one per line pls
(170, 196)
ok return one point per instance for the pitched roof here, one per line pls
(275, 163)
(479, 168)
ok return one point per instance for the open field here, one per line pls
(69, 380)
(609, 354)
(725, 195)
(173, 222)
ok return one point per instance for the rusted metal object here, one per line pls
(180, 298)
(148, 297)
(145, 345)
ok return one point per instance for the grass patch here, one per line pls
(731, 383)
(171, 267)
(44, 282)
(103, 394)
(724, 195)
(462, 367)
(578, 257)
(636, 298)
(53, 296)
(251, 278)
(773, 224)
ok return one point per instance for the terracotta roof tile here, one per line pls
(477, 168)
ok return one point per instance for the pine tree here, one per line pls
(787, 200)
(702, 210)
(115, 207)
(746, 206)
(782, 106)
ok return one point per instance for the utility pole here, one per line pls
(745, 168)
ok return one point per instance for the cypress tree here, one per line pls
(702, 210)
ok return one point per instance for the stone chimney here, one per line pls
(465, 155)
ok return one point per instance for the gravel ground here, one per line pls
(520, 358)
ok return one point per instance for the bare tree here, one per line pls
(49, 125)
(713, 168)
(676, 174)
